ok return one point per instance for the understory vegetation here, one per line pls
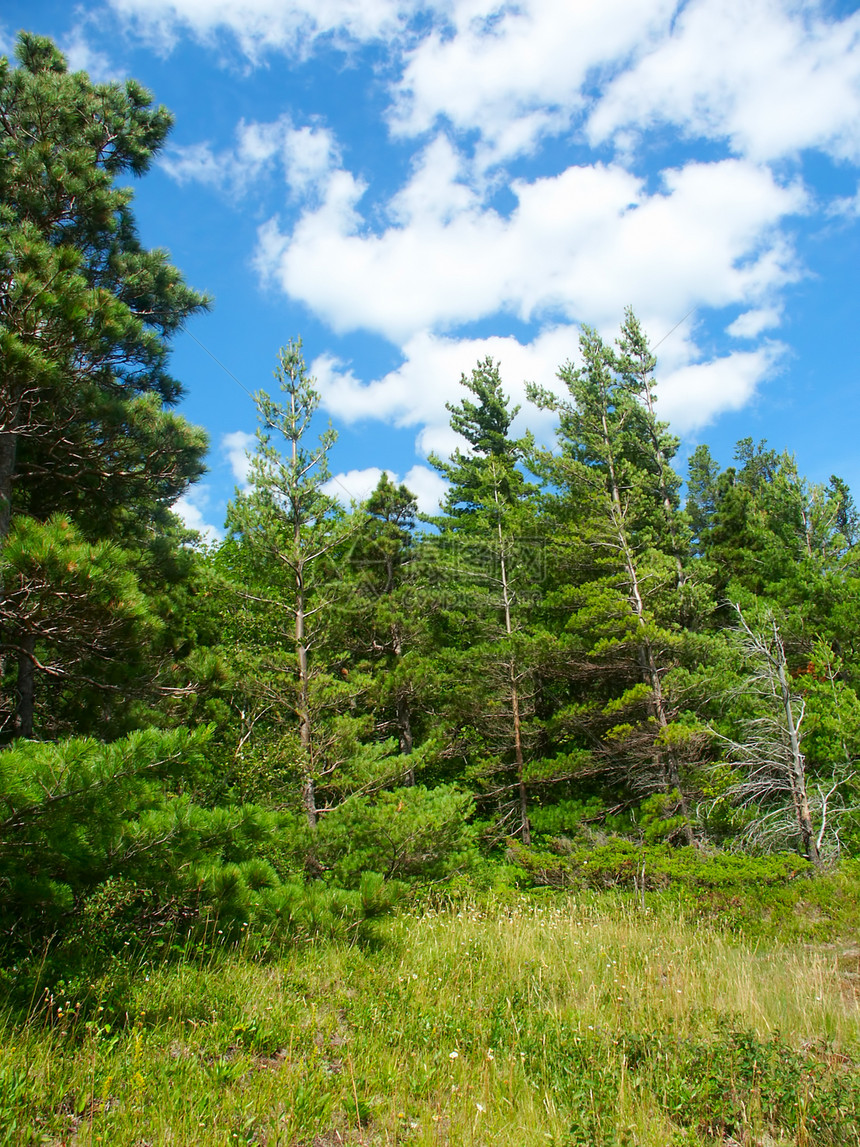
(502, 1019)
(534, 820)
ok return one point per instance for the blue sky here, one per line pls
(411, 186)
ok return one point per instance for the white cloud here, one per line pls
(196, 163)
(306, 154)
(847, 207)
(193, 509)
(516, 72)
(694, 395)
(750, 324)
(357, 485)
(428, 486)
(580, 245)
(266, 24)
(436, 189)
(690, 394)
(236, 447)
(83, 57)
(482, 81)
(770, 76)
(415, 394)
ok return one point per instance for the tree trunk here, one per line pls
(668, 508)
(26, 686)
(404, 726)
(8, 452)
(665, 761)
(797, 764)
(520, 760)
(404, 717)
(308, 784)
(519, 757)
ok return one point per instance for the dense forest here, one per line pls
(588, 668)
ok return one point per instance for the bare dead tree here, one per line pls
(771, 752)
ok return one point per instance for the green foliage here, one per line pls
(88, 437)
(620, 862)
(403, 834)
(103, 843)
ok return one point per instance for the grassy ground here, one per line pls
(559, 1023)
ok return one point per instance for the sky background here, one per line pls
(410, 187)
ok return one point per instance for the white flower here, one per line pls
(453, 1055)
(480, 1106)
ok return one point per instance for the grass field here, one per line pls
(557, 1022)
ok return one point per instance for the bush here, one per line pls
(107, 848)
(404, 834)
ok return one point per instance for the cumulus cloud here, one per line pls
(236, 447)
(260, 25)
(690, 394)
(476, 83)
(770, 76)
(694, 395)
(579, 245)
(750, 324)
(306, 154)
(193, 508)
(428, 486)
(415, 394)
(517, 72)
(847, 207)
(356, 485)
(83, 57)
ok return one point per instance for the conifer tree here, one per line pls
(288, 528)
(86, 314)
(381, 622)
(624, 545)
(488, 540)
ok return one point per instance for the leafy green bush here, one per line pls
(106, 848)
(620, 862)
(403, 834)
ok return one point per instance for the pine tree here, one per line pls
(289, 527)
(623, 543)
(487, 538)
(86, 314)
(378, 612)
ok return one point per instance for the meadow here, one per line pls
(514, 1020)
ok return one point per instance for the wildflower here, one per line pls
(453, 1054)
(490, 1053)
(480, 1106)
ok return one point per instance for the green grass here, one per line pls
(513, 1023)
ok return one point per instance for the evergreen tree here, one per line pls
(288, 528)
(86, 314)
(488, 539)
(381, 624)
(623, 545)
